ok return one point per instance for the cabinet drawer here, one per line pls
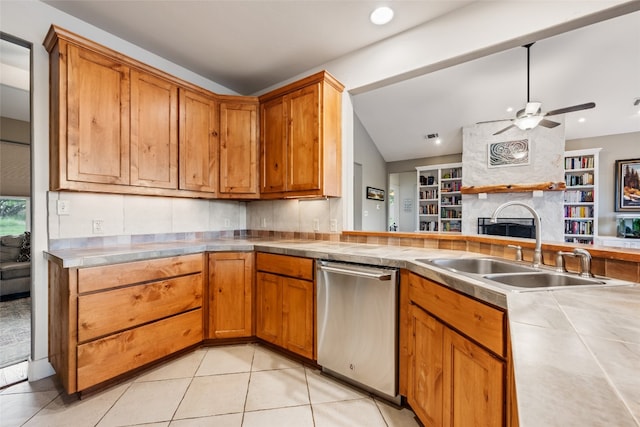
(480, 322)
(300, 268)
(98, 278)
(106, 312)
(111, 356)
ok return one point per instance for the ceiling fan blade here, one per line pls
(548, 123)
(586, 106)
(494, 121)
(505, 129)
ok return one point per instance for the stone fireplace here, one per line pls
(545, 164)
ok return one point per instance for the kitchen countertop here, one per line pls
(576, 352)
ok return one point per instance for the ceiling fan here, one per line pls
(531, 115)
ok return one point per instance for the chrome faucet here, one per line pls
(560, 268)
(537, 253)
(585, 262)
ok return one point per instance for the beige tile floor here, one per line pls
(244, 385)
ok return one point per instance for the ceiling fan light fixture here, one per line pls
(381, 15)
(527, 122)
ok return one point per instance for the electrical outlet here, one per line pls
(63, 207)
(263, 223)
(333, 225)
(227, 223)
(316, 224)
(98, 226)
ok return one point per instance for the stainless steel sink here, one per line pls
(541, 280)
(477, 265)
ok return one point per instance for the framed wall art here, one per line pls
(375, 194)
(627, 185)
(508, 153)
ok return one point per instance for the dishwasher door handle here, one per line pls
(379, 275)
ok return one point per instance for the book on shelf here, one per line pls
(581, 179)
(580, 162)
(578, 196)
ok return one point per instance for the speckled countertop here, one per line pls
(576, 352)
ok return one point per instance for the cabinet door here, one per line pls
(425, 367)
(297, 316)
(273, 136)
(230, 294)
(238, 149)
(97, 118)
(198, 142)
(303, 145)
(154, 131)
(473, 384)
(269, 307)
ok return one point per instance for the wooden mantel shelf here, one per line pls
(514, 188)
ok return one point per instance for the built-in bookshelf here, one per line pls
(439, 197)
(580, 199)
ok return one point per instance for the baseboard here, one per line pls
(39, 369)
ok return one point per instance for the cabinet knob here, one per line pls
(214, 133)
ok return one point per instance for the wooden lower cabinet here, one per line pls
(285, 313)
(230, 295)
(451, 379)
(116, 354)
(106, 321)
(297, 316)
(424, 392)
(473, 384)
(269, 307)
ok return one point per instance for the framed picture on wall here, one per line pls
(627, 191)
(375, 194)
(508, 153)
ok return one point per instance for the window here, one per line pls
(14, 215)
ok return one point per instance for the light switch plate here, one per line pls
(98, 226)
(63, 207)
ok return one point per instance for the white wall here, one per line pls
(614, 147)
(374, 174)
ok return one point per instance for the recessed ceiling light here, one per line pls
(582, 120)
(509, 109)
(438, 141)
(381, 15)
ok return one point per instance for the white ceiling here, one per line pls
(250, 45)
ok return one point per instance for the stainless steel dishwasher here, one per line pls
(357, 323)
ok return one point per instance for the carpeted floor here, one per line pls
(15, 331)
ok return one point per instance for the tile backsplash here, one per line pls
(123, 215)
(129, 215)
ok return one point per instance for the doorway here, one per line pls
(15, 207)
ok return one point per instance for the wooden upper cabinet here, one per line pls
(273, 157)
(94, 97)
(300, 138)
(199, 139)
(120, 126)
(154, 131)
(303, 149)
(238, 164)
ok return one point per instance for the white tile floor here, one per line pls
(244, 385)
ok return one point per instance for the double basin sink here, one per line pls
(511, 274)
